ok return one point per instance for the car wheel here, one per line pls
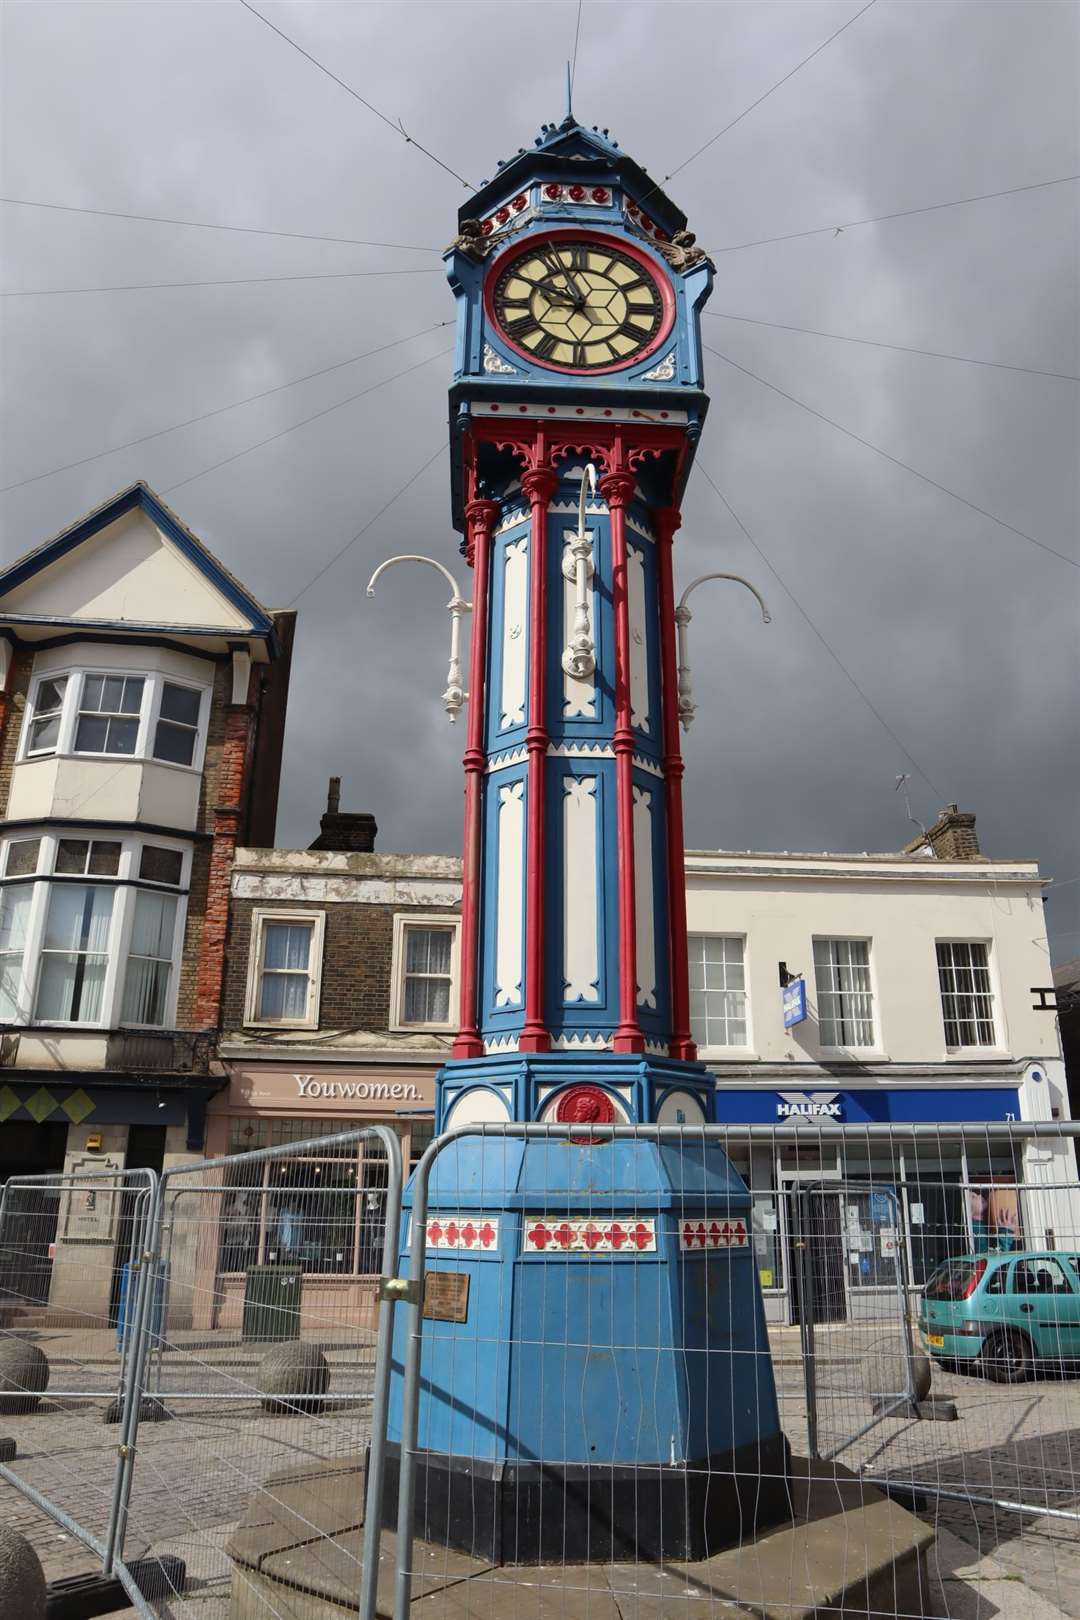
(1007, 1358)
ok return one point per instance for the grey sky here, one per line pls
(963, 635)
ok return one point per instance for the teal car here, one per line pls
(1003, 1314)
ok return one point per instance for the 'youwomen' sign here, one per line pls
(357, 1090)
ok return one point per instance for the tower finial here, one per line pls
(569, 94)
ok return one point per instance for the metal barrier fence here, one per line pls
(243, 1365)
(581, 1378)
(919, 1314)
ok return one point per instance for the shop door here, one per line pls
(145, 1151)
(824, 1252)
(29, 1229)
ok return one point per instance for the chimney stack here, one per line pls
(352, 831)
(952, 837)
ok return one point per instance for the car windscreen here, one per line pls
(956, 1279)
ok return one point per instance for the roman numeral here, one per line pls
(580, 355)
(546, 346)
(520, 326)
(578, 256)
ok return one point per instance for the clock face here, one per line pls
(579, 303)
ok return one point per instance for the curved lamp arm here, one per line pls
(579, 655)
(455, 696)
(682, 619)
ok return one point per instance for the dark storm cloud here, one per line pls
(962, 634)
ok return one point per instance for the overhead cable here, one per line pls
(763, 97)
(315, 417)
(211, 225)
(896, 461)
(369, 524)
(231, 281)
(901, 348)
(829, 648)
(899, 213)
(396, 125)
(218, 410)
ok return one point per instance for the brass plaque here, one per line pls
(446, 1296)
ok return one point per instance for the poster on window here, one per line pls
(995, 1215)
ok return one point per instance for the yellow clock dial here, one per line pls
(578, 304)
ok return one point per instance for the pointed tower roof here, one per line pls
(571, 151)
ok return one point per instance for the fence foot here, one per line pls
(80, 1597)
(7, 1448)
(150, 1411)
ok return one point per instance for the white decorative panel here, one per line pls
(515, 609)
(511, 900)
(563, 1234)
(581, 951)
(680, 1108)
(461, 1232)
(478, 1107)
(639, 648)
(643, 898)
(579, 696)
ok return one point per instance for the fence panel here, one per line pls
(72, 1280)
(254, 1374)
(594, 1311)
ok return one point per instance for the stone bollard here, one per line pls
(288, 1373)
(24, 1373)
(885, 1374)
(22, 1579)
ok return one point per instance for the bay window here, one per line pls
(47, 712)
(116, 714)
(90, 930)
(108, 719)
(74, 954)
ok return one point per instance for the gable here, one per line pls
(128, 573)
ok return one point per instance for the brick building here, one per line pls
(142, 707)
(340, 1003)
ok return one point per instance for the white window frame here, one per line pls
(125, 885)
(260, 917)
(154, 681)
(996, 1044)
(747, 1046)
(403, 921)
(873, 1046)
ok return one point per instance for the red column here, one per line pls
(539, 485)
(667, 520)
(480, 517)
(618, 490)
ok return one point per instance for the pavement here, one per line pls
(195, 1475)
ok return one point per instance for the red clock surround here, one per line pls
(529, 244)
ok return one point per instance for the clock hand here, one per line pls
(551, 291)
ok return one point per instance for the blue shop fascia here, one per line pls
(872, 1201)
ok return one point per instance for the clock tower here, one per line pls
(577, 394)
(616, 1266)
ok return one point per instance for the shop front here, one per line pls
(872, 1213)
(315, 1219)
(62, 1250)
